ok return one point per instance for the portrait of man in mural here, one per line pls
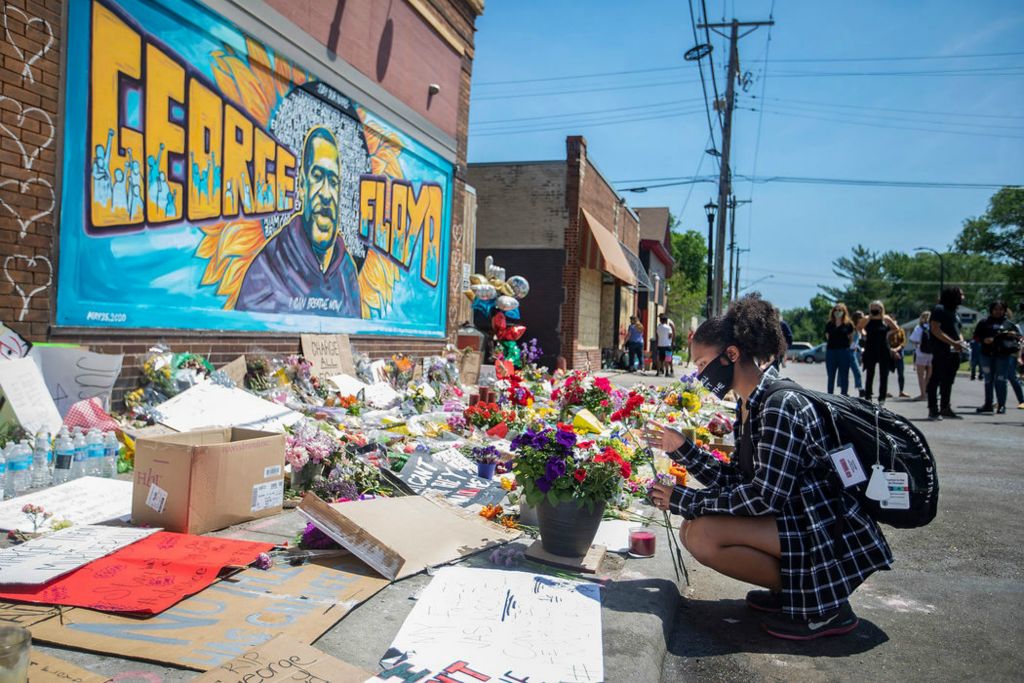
(305, 266)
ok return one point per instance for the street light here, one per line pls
(709, 211)
(942, 267)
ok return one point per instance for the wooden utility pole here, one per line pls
(725, 174)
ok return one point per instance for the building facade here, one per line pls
(224, 175)
(657, 260)
(561, 225)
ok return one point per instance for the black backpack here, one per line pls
(878, 436)
(925, 345)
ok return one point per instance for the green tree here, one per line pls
(999, 234)
(687, 286)
(808, 324)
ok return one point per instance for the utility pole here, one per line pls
(725, 174)
(733, 287)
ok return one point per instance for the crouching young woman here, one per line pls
(777, 515)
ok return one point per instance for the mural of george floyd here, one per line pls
(210, 180)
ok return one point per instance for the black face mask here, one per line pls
(717, 378)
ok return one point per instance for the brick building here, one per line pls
(110, 242)
(561, 225)
(657, 260)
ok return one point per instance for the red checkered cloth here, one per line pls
(89, 414)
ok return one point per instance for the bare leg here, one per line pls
(745, 548)
(922, 379)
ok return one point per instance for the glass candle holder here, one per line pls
(15, 644)
(642, 542)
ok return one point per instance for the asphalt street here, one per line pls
(951, 607)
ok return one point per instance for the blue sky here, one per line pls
(965, 127)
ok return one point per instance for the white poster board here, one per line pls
(54, 555)
(76, 374)
(519, 625)
(88, 500)
(26, 400)
(211, 405)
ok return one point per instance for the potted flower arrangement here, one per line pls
(580, 389)
(569, 482)
(486, 459)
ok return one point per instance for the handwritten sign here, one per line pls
(146, 577)
(284, 659)
(329, 354)
(455, 459)
(26, 400)
(211, 405)
(424, 475)
(469, 367)
(46, 558)
(43, 668)
(75, 374)
(236, 370)
(227, 619)
(518, 625)
(88, 500)
(12, 345)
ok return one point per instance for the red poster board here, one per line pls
(145, 577)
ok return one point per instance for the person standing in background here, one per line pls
(838, 337)
(1000, 346)
(975, 358)
(855, 360)
(665, 338)
(635, 344)
(946, 344)
(877, 354)
(1018, 367)
(897, 342)
(921, 339)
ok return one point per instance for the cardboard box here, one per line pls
(200, 481)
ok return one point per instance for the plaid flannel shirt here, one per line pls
(829, 544)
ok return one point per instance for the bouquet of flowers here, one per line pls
(485, 455)
(421, 396)
(309, 450)
(485, 415)
(580, 389)
(399, 370)
(552, 464)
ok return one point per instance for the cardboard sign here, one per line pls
(49, 557)
(211, 405)
(431, 533)
(201, 481)
(146, 577)
(469, 367)
(26, 400)
(499, 623)
(224, 621)
(424, 475)
(88, 500)
(330, 354)
(43, 668)
(453, 458)
(12, 345)
(284, 659)
(76, 374)
(236, 370)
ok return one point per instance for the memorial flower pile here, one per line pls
(486, 415)
(580, 389)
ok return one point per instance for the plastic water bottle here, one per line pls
(78, 468)
(7, 454)
(111, 447)
(65, 457)
(94, 449)
(3, 476)
(19, 468)
(41, 457)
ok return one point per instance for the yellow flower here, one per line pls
(507, 483)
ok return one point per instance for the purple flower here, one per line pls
(263, 561)
(314, 539)
(567, 440)
(554, 469)
(543, 484)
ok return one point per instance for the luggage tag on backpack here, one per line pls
(890, 489)
(847, 466)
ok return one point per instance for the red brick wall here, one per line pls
(29, 113)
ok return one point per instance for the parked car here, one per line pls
(796, 347)
(815, 355)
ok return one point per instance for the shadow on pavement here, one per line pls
(645, 596)
(708, 628)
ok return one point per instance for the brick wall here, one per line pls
(526, 201)
(30, 54)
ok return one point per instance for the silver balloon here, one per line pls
(520, 286)
(507, 303)
(484, 292)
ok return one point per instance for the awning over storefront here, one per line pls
(643, 281)
(600, 250)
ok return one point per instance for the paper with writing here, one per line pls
(76, 374)
(211, 405)
(48, 557)
(26, 400)
(269, 494)
(146, 577)
(347, 385)
(46, 669)
(460, 487)
(469, 367)
(225, 620)
(156, 499)
(456, 460)
(329, 354)
(88, 500)
(284, 659)
(236, 370)
(537, 626)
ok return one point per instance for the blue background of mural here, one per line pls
(150, 278)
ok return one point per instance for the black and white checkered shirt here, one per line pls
(829, 543)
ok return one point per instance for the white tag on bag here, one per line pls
(848, 467)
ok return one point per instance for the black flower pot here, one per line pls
(566, 529)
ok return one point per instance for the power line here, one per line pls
(801, 180)
(890, 117)
(899, 59)
(757, 143)
(573, 124)
(905, 111)
(513, 96)
(703, 86)
(711, 61)
(981, 71)
(653, 105)
(886, 125)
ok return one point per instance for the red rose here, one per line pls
(625, 470)
(580, 474)
(603, 384)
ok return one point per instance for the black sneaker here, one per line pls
(949, 414)
(840, 621)
(984, 409)
(1001, 410)
(935, 417)
(764, 601)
